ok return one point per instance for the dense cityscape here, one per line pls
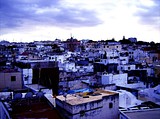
(80, 79)
(79, 59)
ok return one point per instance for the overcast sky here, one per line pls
(30, 20)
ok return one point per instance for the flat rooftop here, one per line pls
(76, 99)
(136, 86)
(8, 70)
(147, 114)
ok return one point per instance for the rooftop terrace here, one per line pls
(81, 98)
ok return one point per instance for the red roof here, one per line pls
(25, 53)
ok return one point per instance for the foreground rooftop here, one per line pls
(34, 109)
(28, 106)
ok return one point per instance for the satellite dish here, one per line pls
(29, 95)
(39, 94)
(17, 96)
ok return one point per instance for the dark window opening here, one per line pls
(13, 78)
(110, 105)
(82, 113)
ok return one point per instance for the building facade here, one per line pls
(11, 80)
(99, 105)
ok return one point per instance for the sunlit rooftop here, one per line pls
(80, 98)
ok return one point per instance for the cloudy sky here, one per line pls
(30, 20)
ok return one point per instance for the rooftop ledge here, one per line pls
(81, 98)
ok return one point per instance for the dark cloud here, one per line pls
(16, 13)
(150, 15)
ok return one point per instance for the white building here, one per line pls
(99, 105)
(109, 61)
(123, 60)
(140, 55)
(69, 66)
(127, 99)
(114, 56)
(22, 57)
(59, 58)
(88, 68)
(27, 76)
(112, 46)
(10, 79)
(118, 79)
(126, 67)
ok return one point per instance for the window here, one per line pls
(82, 113)
(110, 105)
(129, 68)
(13, 78)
